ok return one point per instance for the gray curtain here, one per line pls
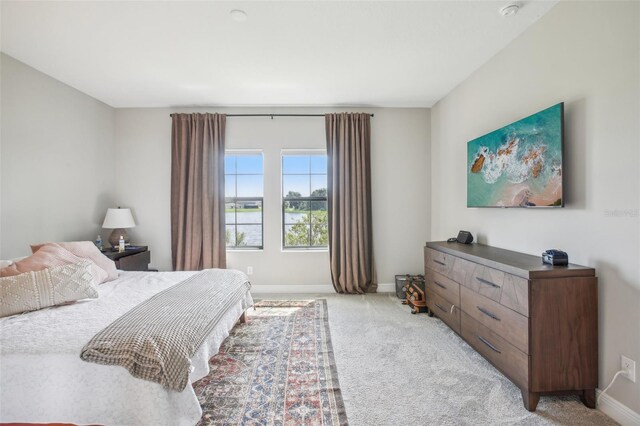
(197, 191)
(349, 194)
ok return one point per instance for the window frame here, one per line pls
(309, 199)
(236, 199)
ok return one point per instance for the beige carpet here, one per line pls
(396, 368)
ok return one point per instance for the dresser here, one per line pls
(536, 323)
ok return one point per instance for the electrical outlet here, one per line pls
(629, 366)
(249, 270)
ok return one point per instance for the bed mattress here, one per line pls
(44, 380)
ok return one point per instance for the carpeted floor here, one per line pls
(397, 368)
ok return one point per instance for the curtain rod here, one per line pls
(274, 115)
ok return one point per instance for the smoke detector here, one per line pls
(238, 15)
(510, 9)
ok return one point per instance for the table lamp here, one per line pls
(118, 220)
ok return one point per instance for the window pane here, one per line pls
(291, 217)
(318, 185)
(318, 211)
(296, 235)
(250, 164)
(231, 235)
(229, 213)
(229, 186)
(295, 185)
(229, 164)
(319, 164)
(249, 212)
(249, 185)
(249, 235)
(297, 207)
(319, 235)
(295, 164)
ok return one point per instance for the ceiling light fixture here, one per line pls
(238, 15)
(510, 9)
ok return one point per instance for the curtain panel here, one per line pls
(197, 191)
(349, 203)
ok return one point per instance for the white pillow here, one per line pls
(49, 287)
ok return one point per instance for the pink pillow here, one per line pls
(87, 250)
(50, 255)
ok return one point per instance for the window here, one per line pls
(304, 200)
(243, 174)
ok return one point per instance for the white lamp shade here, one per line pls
(118, 218)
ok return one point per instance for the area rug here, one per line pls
(277, 369)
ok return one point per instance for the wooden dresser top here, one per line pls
(520, 264)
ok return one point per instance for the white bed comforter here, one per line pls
(43, 379)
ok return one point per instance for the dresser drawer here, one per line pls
(515, 294)
(439, 261)
(508, 324)
(445, 287)
(486, 281)
(443, 310)
(461, 270)
(505, 357)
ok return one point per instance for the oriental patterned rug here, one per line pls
(277, 369)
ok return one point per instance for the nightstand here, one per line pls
(132, 259)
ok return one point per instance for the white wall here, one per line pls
(587, 55)
(56, 157)
(400, 141)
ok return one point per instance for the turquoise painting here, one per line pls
(519, 165)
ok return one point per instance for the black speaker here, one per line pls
(464, 237)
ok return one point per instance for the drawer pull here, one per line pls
(487, 313)
(439, 262)
(487, 282)
(441, 308)
(438, 284)
(483, 340)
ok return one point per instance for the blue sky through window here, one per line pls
(304, 164)
(304, 173)
(243, 175)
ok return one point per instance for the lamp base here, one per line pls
(114, 238)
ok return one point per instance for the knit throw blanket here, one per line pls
(156, 340)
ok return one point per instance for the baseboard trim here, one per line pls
(386, 288)
(617, 410)
(318, 288)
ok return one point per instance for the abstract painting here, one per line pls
(519, 165)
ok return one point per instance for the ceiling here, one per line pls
(298, 53)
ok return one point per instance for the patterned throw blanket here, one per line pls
(156, 340)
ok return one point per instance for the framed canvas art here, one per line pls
(519, 165)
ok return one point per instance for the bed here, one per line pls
(44, 380)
